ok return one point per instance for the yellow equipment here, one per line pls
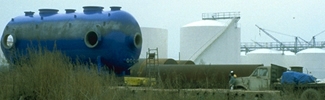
(138, 81)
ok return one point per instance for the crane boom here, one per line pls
(270, 35)
(257, 43)
(303, 40)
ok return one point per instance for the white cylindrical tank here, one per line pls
(211, 42)
(243, 57)
(312, 61)
(154, 38)
(289, 59)
(264, 56)
(243, 53)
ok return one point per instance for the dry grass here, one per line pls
(51, 76)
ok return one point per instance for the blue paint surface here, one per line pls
(116, 31)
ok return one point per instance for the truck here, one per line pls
(269, 78)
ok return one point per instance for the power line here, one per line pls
(289, 35)
(280, 33)
(320, 33)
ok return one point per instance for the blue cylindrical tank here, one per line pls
(112, 38)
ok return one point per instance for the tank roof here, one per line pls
(206, 23)
(312, 50)
(288, 53)
(264, 51)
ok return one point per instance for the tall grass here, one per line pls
(51, 75)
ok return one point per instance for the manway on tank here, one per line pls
(111, 38)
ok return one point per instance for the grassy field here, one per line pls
(51, 76)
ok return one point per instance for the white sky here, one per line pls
(304, 18)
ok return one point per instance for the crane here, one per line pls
(314, 39)
(281, 44)
(297, 38)
(302, 46)
(303, 40)
(257, 43)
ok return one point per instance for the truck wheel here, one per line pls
(310, 94)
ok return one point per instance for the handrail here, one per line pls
(220, 15)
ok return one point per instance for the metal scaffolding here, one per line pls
(293, 46)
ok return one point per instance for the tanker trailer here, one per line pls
(194, 76)
(107, 38)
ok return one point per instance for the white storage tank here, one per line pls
(312, 61)
(243, 57)
(154, 38)
(242, 53)
(264, 56)
(289, 59)
(211, 41)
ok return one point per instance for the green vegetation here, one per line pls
(51, 76)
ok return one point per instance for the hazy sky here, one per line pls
(304, 18)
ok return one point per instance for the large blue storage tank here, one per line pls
(111, 38)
